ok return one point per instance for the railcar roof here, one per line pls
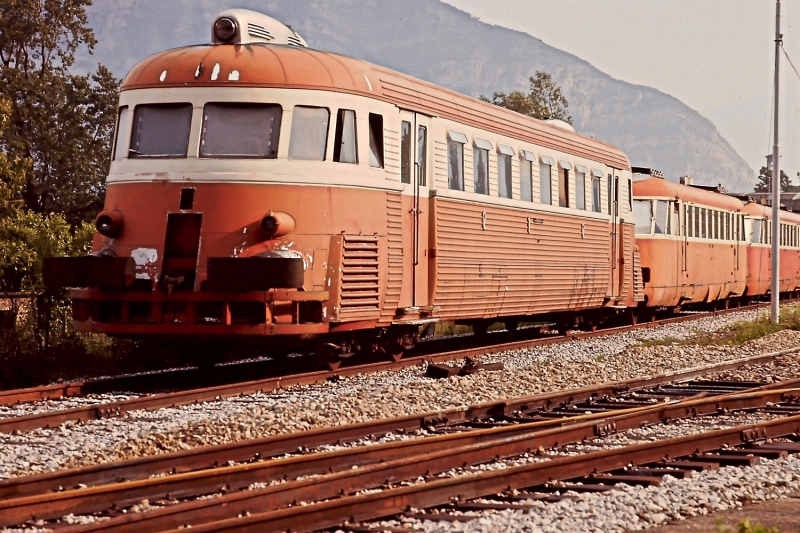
(661, 188)
(758, 210)
(276, 66)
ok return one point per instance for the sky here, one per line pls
(716, 56)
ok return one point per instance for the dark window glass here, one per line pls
(504, 175)
(161, 130)
(481, 157)
(610, 196)
(422, 151)
(241, 130)
(580, 190)
(563, 188)
(309, 137)
(525, 180)
(344, 143)
(375, 140)
(596, 194)
(455, 165)
(405, 152)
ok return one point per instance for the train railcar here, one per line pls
(759, 250)
(262, 189)
(692, 242)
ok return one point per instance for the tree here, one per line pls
(543, 101)
(60, 122)
(764, 183)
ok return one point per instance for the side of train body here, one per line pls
(259, 188)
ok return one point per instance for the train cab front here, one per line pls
(171, 259)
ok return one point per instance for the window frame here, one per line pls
(454, 139)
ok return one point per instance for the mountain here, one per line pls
(441, 44)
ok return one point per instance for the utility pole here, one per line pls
(776, 182)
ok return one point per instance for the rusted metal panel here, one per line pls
(290, 67)
(491, 260)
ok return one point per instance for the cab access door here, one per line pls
(415, 173)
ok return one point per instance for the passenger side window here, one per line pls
(504, 175)
(563, 184)
(455, 164)
(309, 137)
(642, 216)
(596, 194)
(525, 180)
(756, 237)
(405, 152)
(545, 182)
(662, 217)
(422, 154)
(580, 190)
(344, 143)
(375, 140)
(689, 223)
(481, 158)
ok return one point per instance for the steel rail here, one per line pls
(248, 450)
(115, 409)
(440, 492)
(238, 477)
(405, 460)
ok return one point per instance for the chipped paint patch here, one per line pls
(233, 76)
(143, 275)
(215, 72)
(144, 256)
(163, 76)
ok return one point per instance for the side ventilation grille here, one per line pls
(254, 30)
(294, 41)
(360, 275)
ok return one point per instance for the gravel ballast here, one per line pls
(361, 398)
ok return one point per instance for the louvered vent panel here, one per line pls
(394, 227)
(627, 249)
(360, 277)
(259, 31)
(294, 41)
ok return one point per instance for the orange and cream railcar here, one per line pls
(263, 189)
(759, 252)
(691, 242)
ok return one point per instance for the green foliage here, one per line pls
(745, 527)
(56, 130)
(60, 122)
(543, 101)
(765, 181)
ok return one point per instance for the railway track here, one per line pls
(460, 437)
(431, 353)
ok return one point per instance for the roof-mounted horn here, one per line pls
(242, 26)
